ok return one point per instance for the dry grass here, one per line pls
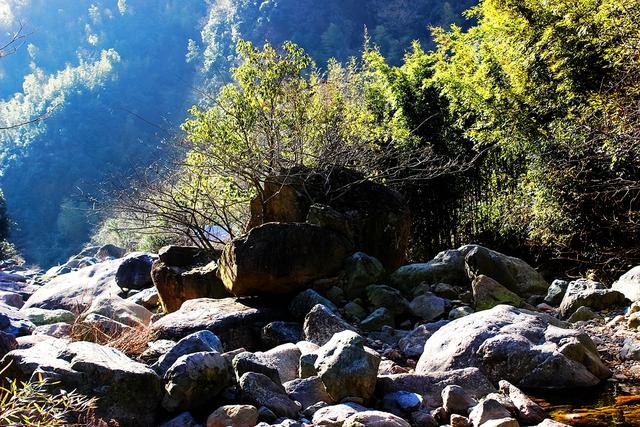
(132, 341)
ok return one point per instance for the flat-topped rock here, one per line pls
(237, 322)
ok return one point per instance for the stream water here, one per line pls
(612, 404)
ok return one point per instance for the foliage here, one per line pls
(31, 403)
(546, 86)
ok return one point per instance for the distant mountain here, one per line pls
(120, 75)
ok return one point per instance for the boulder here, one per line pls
(630, 349)
(428, 306)
(629, 284)
(186, 256)
(373, 216)
(57, 330)
(279, 258)
(512, 273)
(76, 291)
(401, 402)
(387, 297)
(148, 298)
(254, 362)
(455, 400)
(127, 391)
(321, 324)
(234, 416)
(308, 391)
(556, 292)
(302, 303)
(487, 293)
(431, 385)
(201, 341)
(196, 379)
(103, 253)
(262, 391)
(412, 344)
(336, 415)
(489, 410)
(528, 412)
(120, 310)
(446, 267)
(185, 419)
(525, 348)
(14, 322)
(12, 299)
(236, 322)
(176, 285)
(586, 293)
(41, 316)
(276, 333)
(377, 320)
(582, 314)
(134, 272)
(346, 367)
(360, 271)
(7, 343)
(375, 419)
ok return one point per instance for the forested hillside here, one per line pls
(118, 76)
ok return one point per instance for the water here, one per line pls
(611, 404)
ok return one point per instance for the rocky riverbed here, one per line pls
(470, 338)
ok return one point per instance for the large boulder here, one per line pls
(127, 391)
(120, 310)
(430, 386)
(346, 367)
(76, 291)
(587, 293)
(196, 379)
(321, 324)
(512, 273)
(280, 258)
(134, 271)
(177, 284)
(629, 284)
(446, 267)
(236, 322)
(199, 341)
(525, 348)
(360, 271)
(373, 216)
(487, 293)
(262, 391)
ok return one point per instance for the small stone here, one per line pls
(308, 391)
(423, 418)
(233, 415)
(388, 297)
(412, 345)
(335, 415)
(321, 323)
(276, 333)
(459, 421)
(556, 292)
(306, 300)
(354, 311)
(401, 402)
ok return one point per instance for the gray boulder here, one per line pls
(336, 415)
(76, 291)
(556, 292)
(446, 267)
(201, 341)
(629, 284)
(630, 349)
(262, 391)
(346, 367)
(586, 293)
(525, 348)
(387, 297)
(428, 306)
(360, 271)
(236, 322)
(279, 332)
(196, 379)
(431, 385)
(321, 324)
(528, 412)
(134, 272)
(302, 303)
(512, 273)
(127, 391)
(375, 419)
(308, 391)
